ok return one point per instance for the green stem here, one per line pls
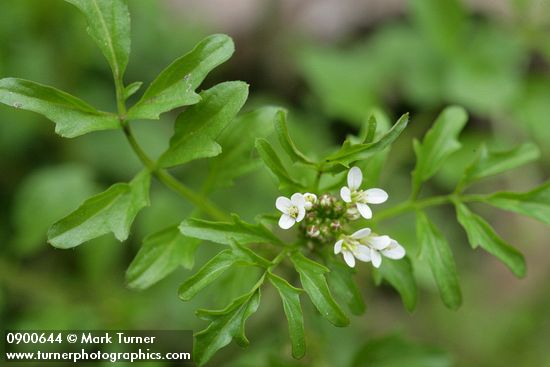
(280, 257)
(163, 176)
(318, 177)
(199, 201)
(151, 166)
(412, 205)
(120, 101)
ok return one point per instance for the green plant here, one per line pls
(210, 127)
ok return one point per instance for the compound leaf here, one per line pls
(175, 86)
(535, 203)
(290, 296)
(341, 282)
(207, 274)
(438, 144)
(227, 232)
(197, 127)
(72, 116)
(312, 277)
(399, 274)
(113, 210)
(490, 163)
(480, 233)
(273, 162)
(225, 325)
(440, 258)
(286, 141)
(161, 253)
(350, 152)
(109, 26)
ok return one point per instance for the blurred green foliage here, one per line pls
(438, 53)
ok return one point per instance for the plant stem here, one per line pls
(151, 166)
(162, 175)
(413, 205)
(199, 201)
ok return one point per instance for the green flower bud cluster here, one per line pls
(325, 219)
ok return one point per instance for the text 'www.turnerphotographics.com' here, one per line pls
(98, 345)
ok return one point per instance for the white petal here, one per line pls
(364, 210)
(338, 247)
(375, 258)
(345, 194)
(375, 196)
(394, 251)
(348, 258)
(308, 205)
(379, 242)
(355, 177)
(362, 253)
(283, 204)
(301, 213)
(362, 233)
(286, 221)
(298, 199)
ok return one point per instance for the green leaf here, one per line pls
(248, 256)
(228, 232)
(439, 143)
(341, 282)
(535, 203)
(109, 26)
(237, 142)
(350, 153)
(131, 89)
(290, 297)
(440, 258)
(371, 129)
(490, 163)
(72, 116)
(273, 162)
(175, 86)
(481, 234)
(207, 274)
(198, 126)
(286, 142)
(394, 351)
(161, 253)
(312, 277)
(225, 325)
(113, 210)
(399, 274)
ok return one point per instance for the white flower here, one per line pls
(382, 245)
(293, 209)
(311, 199)
(352, 194)
(351, 248)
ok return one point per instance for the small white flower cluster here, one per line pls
(363, 245)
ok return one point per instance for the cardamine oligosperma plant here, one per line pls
(324, 200)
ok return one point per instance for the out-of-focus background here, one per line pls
(331, 63)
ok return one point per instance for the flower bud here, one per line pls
(335, 225)
(326, 200)
(311, 200)
(313, 231)
(339, 208)
(353, 214)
